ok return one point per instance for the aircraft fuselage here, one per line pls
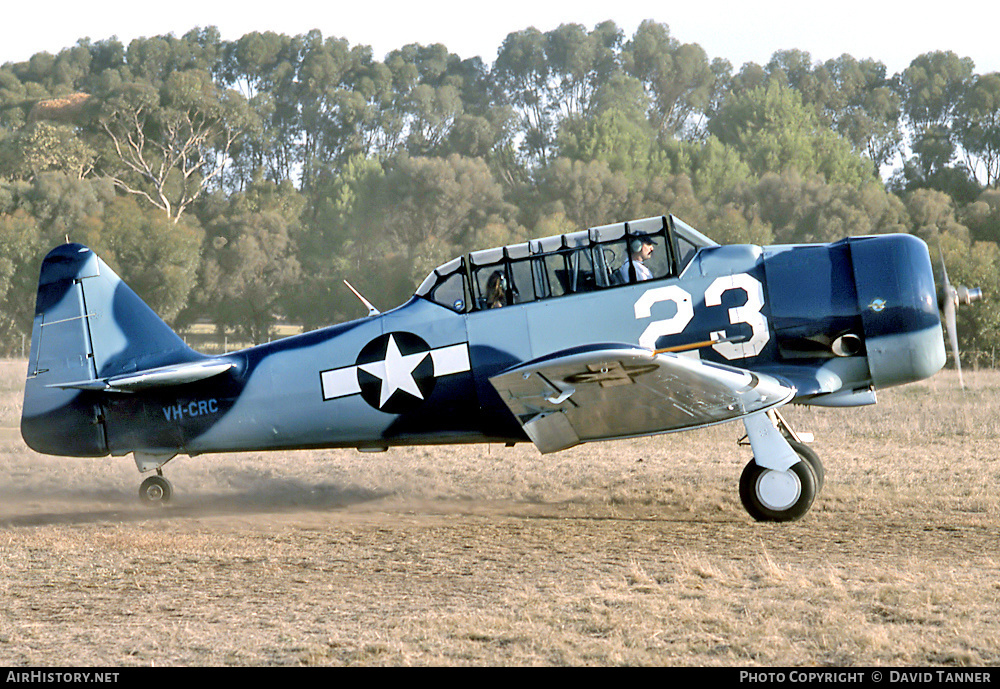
(420, 374)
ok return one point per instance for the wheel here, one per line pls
(777, 496)
(155, 490)
(809, 456)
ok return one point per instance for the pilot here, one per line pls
(496, 290)
(640, 249)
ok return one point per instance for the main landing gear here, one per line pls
(780, 483)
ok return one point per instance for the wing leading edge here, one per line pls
(619, 391)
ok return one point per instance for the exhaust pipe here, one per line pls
(847, 345)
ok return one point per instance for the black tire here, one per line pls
(809, 456)
(155, 490)
(777, 496)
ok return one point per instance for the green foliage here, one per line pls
(20, 261)
(44, 147)
(242, 181)
(251, 266)
(774, 131)
(678, 78)
(158, 258)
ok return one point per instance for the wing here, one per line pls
(619, 391)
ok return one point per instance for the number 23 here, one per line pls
(749, 313)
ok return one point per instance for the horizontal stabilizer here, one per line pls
(163, 376)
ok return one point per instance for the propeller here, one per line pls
(952, 297)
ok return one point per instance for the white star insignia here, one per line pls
(396, 372)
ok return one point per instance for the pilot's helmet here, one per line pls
(636, 243)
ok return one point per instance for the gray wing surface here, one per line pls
(620, 391)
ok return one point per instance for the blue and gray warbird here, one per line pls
(618, 331)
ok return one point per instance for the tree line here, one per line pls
(239, 182)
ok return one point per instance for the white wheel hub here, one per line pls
(778, 490)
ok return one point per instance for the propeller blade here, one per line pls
(949, 318)
(950, 304)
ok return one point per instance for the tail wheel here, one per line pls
(155, 490)
(777, 496)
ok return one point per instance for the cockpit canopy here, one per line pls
(582, 261)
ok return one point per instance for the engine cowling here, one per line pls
(897, 301)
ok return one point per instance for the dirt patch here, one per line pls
(634, 552)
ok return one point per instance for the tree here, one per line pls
(341, 95)
(157, 257)
(678, 77)
(714, 168)
(588, 194)
(863, 107)
(932, 214)
(251, 266)
(774, 131)
(20, 261)
(976, 264)
(342, 229)
(521, 74)
(169, 146)
(977, 127)
(434, 204)
(263, 67)
(64, 207)
(622, 141)
(45, 147)
(806, 208)
(933, 88)
(982, 216)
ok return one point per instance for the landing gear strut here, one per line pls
(780, 490)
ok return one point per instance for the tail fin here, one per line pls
(89, 326)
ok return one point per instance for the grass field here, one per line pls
(632, 552)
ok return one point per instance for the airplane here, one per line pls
(617, 331)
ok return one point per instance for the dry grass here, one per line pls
(625, 553)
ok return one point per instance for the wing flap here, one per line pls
(620, 391)
(162, 376)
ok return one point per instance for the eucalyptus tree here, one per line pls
(168, 145)
(521, 75)
(773, 131)
(251, 270)
(977, 128)
(347, 106)
(428, 87)
(264, 68)
(933, 87)
(679, 78)
(548, 77)
(869, 109)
